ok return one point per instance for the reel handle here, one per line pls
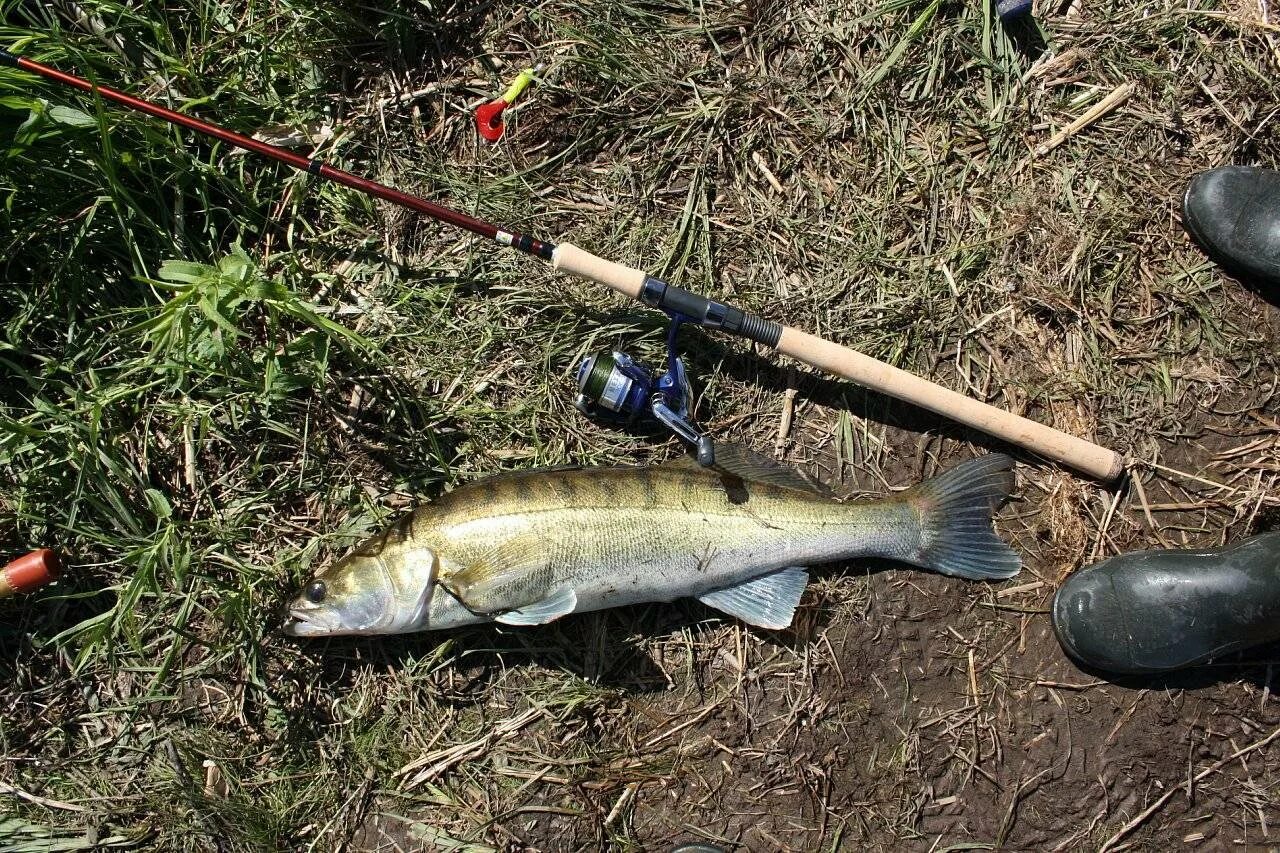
(681, 427)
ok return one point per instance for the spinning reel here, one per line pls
(613, 386)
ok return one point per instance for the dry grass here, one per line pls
(867, 173)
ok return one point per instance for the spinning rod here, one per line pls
(686, 306)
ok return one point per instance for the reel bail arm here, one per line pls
(614, 386)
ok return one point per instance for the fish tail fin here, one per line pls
(955, 510)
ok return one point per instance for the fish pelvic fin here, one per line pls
(955, 510)
(767, 602)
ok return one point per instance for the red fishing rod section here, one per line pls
(30, 572)
(516, 240)
(565, 256)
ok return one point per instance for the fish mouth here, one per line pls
(303, 623)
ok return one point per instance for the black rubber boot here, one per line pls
(1155, 611)
(1234, 213)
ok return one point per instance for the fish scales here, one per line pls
(528, 547)
(617, 536)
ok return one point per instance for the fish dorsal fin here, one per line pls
(766, 602)
(736, 461)
(519, 474)
(549, 609)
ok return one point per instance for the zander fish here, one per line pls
(530, 547)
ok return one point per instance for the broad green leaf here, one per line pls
(71, 116)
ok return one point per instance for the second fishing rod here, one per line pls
(683, 305)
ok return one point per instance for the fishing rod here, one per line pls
(682, 305)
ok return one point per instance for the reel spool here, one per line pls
(613, 386)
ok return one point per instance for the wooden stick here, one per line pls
(1115, 98)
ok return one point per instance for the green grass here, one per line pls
(218, 373)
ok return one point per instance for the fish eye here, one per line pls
(315, 592)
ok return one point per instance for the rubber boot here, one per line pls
(1155, 611)
(1234, 213)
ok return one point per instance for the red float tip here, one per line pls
(489, 120)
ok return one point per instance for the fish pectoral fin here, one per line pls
(509, 575)
(767, 602)
(559, 603)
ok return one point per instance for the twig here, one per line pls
(1146, 509)
(702, 715)
(1221, 486)
(1067, 685)
(40, 801)
(784, 425)
(1124, 718)
(628, 793)
(1118, 96)
(443, 759)
(1222, 108)
(1013, 609)
(1022, 587)
(1018, 793)
(1000, 653)
(340, 818)
(758, 159)
(1102, 528)
(406, 97)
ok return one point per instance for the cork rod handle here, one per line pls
(626, 280)
(1085, 457)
